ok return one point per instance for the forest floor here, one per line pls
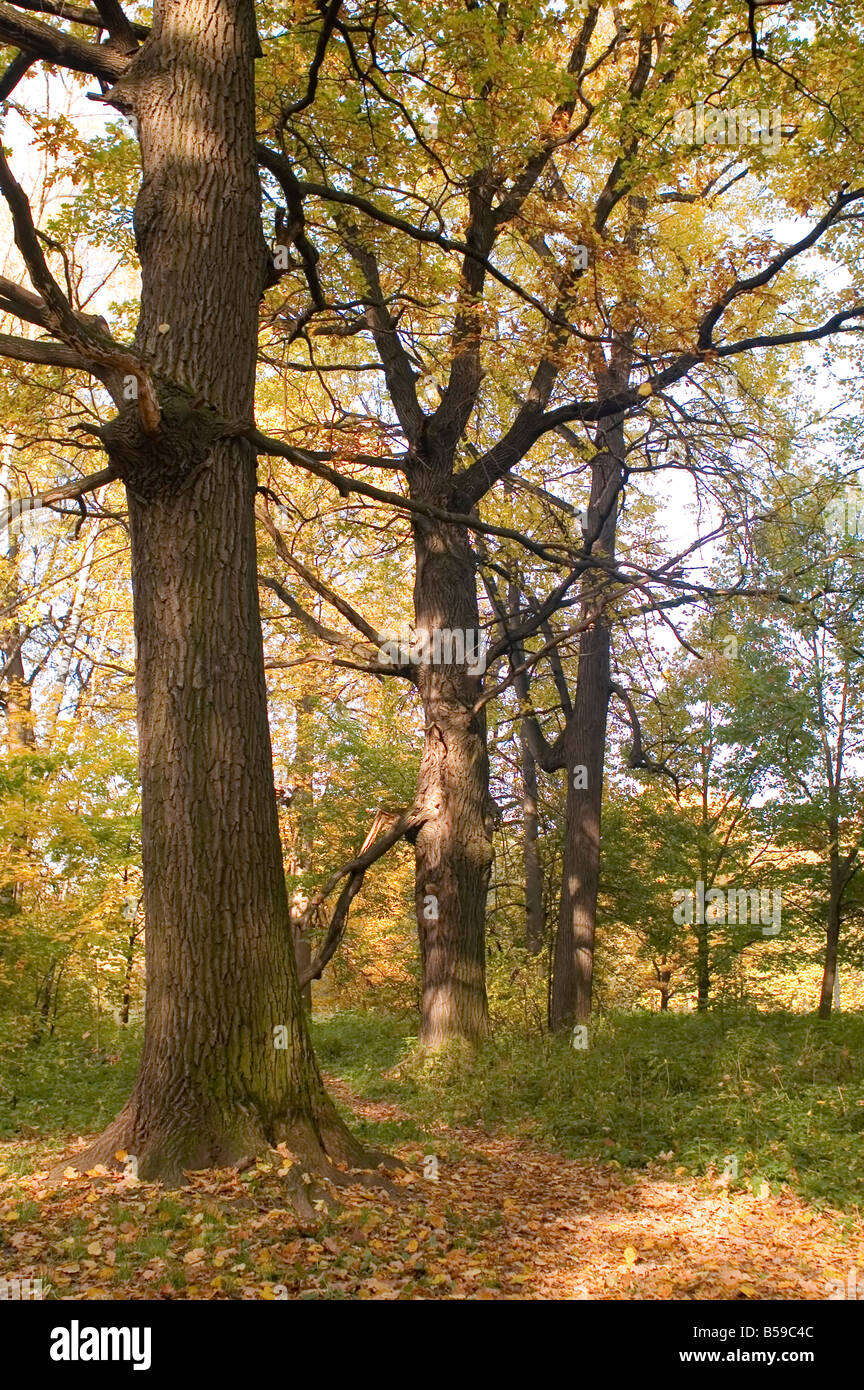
(494, 1217)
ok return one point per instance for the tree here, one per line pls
(802, 694)
(227, 1066)
(520, 235)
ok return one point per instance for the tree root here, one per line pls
(313, 1146)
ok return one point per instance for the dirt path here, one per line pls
(571, 1230)
(503, 1220)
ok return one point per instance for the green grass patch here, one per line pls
(782, 1093)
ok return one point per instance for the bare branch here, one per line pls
(406, 824)
(54, 46)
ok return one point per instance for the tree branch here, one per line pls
(406, 825)
(53, 46)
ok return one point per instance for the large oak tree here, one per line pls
(227, 1066)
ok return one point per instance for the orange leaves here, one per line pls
(505, 1220)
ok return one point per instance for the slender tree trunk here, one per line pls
(42, 1003)
(535, 924)
(16, 696)
(701, 929)
(453, 851)
(227, 1066)
(832, 929)
(126, 996)
(19, 713)
(20, 739)
(584, 749)
(302, 805)
(664, 976)
(584, 752)
(74, 626)
(703, 969)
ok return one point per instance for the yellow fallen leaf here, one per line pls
(193, 1256)
(120, 1155)
(95, 1248)
(630, 1257)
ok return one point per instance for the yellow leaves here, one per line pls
(94, 1248)
(630, 1257)
(194, 1257)
(646, 389)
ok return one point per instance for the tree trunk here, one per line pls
(227, 1066)
(703, 970)
(303, 809)
(20, 739)
(584, 752)
(535, 924)
(664, 992)
(832, 928)
(453, 851)
(706, 877)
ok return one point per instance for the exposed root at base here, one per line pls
(313, 1148)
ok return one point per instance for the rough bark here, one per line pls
(227, 1066)
(584, 748)
(453, 850)
(584, 752)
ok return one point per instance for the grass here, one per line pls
(782, 1093)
